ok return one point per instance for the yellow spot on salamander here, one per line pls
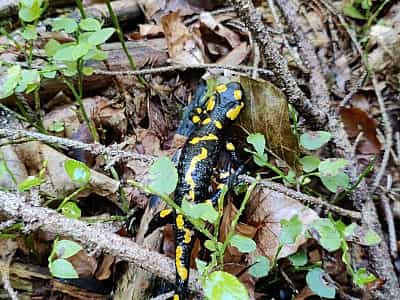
(191, 195)
(220, 186)
(221, 88)
(230, 147)
(237, 94)
(218, 124)
(176, 297)
(234, 112)
(208, 201)
(195, 119)
(195, 160)
(206, 121)
(209, 137)
(211, 103)
(188, 236)
(181, 270)
(198, 110)
(180, 223)
(224, 175)
(165, 212)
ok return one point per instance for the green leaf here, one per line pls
(290, 230)
(71, 210)
(30, 10)
(316, 282)
(210, 245)
(71, 68)
(222, 285)
(57, 126)
(49, 71)
(100, 36)
(329, 236)
(332, 175)
(352, 12)
(87, 71)
(30, 80)
(163, 176)
(260, 268)
(67, 24)
(309, 163)
(28, 183)
(62, 268)
(366, 4)
(77, 171)
(371, 238)
(11, 81)
(349, 230)
(3, 168)
(361, 277)
(29, 32)
(51, 47)
(65, 53)
(299, 259)
(314, 139)
(258, 142)
(204, 211)
(260, 159)
(96, 54)
(66, 248)
(201, 266)
(90, 24)
(243, 243)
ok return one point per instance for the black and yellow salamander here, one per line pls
(195, 168)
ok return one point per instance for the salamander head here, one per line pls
(225, 105)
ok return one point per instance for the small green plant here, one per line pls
(78, 172)
(32, 181)
(199, 215)
(59, 266)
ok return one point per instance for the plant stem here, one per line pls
(237, 216)
(81, 9)
(122, 41)
(82, 110)
(69, 197)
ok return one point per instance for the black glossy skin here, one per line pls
(198, 160)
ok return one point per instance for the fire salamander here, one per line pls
(197, 160)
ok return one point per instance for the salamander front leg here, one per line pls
(162, 218)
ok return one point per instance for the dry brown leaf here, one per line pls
(304, 293)
(150, 30)
(236, 56)
(266, 112)
(209, 21)
(182, 46)
(355, 121)
(265, 211)
(104, 270)
(156, 9)
(84, 264)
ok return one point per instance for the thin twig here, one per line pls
(111, 152)
(388, 134)
(182, 67)
(387, 210)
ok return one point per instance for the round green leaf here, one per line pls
(313, 140)
(258, 142)
(30, 79)
(11, 81)
(29, 32)
(66, 248)
(71, 210)
(371, 238)
(290, 230)
(62, 268)
(163, 175)
(51, 47)
(328, 236)
(224, 286)
(67, 24)
(309, 163)
(352, 12)
(204, 211)
(77, 171)
(361, 277)
(90, 24)
(315, 281)
(30, 13)
(65, 53)
(243, 243)
(260, 268)
(87, 71)
(100, 36)
(299, 259)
